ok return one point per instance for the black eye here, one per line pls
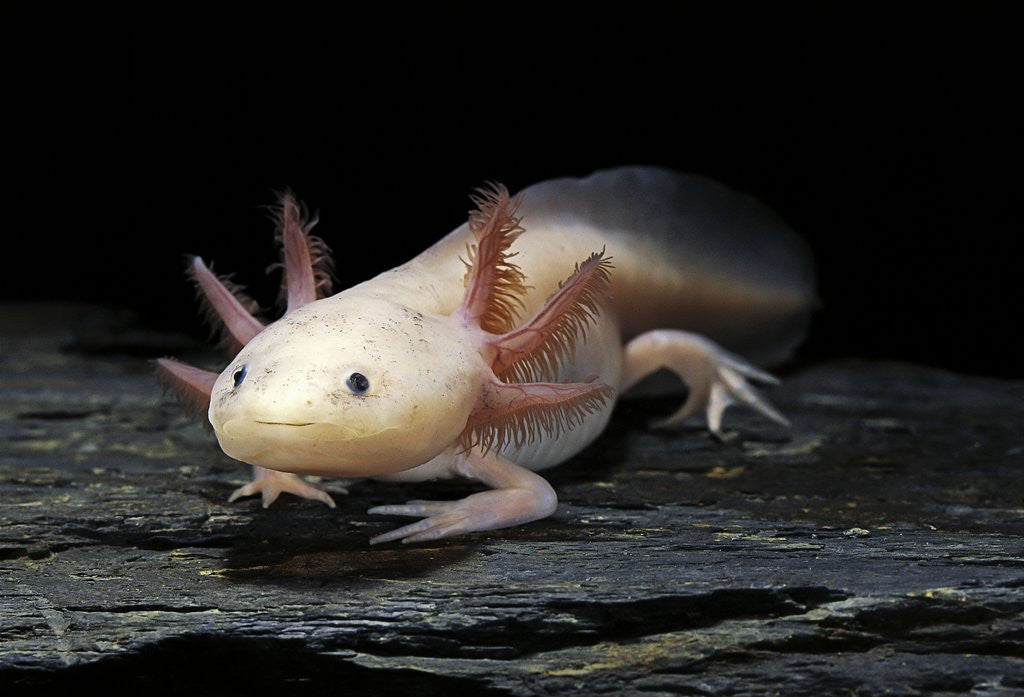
(358, 383)
(240, 374)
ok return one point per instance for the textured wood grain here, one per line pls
(875, 546)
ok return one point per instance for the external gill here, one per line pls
(305, 258)
(514, 414)
(307, 276)
(532, 351)
(514, 407)
(226, 307)
(229, 312)
(493, 283)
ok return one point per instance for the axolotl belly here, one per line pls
(501, 349)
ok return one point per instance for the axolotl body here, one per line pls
(501, 349)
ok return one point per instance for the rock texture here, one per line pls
(876, 547)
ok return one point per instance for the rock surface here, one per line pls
(874, 547)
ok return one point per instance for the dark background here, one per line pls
(892, 149)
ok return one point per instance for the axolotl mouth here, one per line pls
(285, 423)
(303, 447)
(257, 429)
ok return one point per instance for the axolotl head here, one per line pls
(351, 385)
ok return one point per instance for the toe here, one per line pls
(243, 491)
(401, 532)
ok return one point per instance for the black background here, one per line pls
(892, 149)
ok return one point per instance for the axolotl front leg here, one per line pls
(517, 496)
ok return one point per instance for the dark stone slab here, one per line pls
(874, 547)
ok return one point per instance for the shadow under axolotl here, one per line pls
(294, 541)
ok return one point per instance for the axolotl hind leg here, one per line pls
(716, 378)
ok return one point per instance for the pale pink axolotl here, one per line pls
(499, 352)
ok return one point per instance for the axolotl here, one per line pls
(501, 350)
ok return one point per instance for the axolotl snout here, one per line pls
(501, 349)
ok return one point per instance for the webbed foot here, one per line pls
(270, 484)
(716, 377)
